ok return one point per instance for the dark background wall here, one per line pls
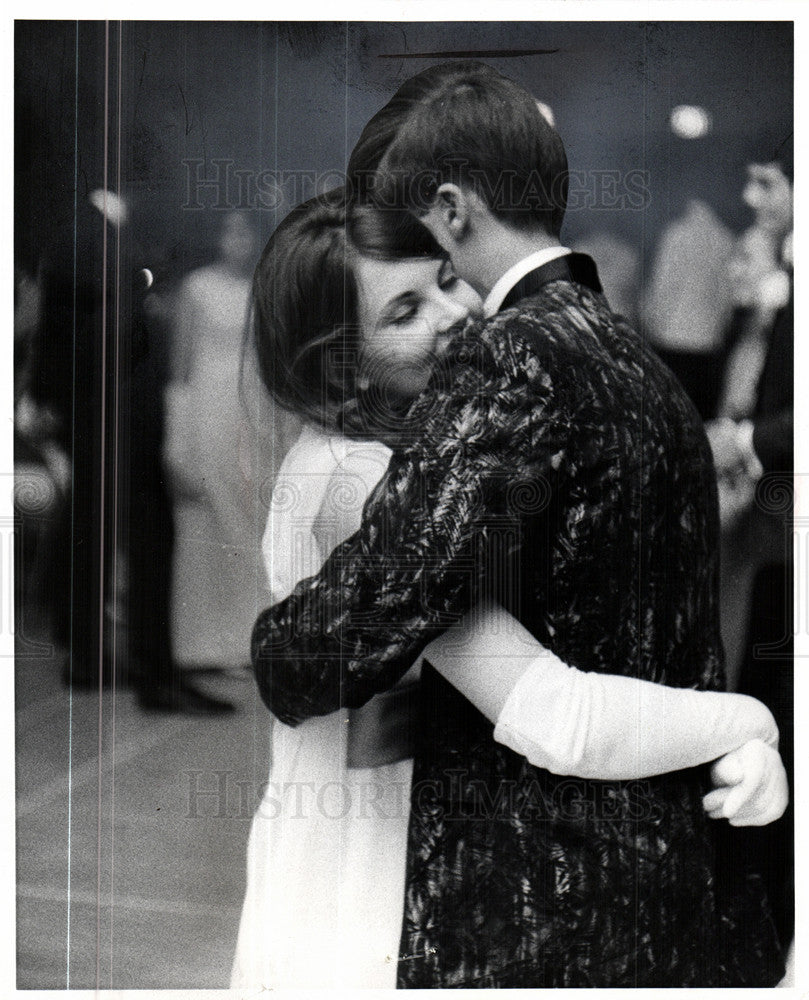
(269, 98)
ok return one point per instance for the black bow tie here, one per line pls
(576, 267)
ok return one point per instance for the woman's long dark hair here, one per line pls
(305, 301)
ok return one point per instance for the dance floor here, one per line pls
(131, 833)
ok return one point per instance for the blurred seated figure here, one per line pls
(224, 442)
(687, 304)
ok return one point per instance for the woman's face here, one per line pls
(405, 310)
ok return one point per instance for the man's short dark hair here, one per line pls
(467, 124)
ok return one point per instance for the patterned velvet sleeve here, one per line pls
(449, 500)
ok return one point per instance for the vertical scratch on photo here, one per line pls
(72, 476)
(103, 511)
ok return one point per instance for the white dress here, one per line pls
(327, 850)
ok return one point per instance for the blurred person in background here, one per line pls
(220, 453)
(41, 467)
(760, 287)
(148, 530)
(752, 443)
(58, 416)
(619, 270)
(687, 304)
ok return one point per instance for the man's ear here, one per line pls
(451, 212)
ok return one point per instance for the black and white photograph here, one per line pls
(401, 566)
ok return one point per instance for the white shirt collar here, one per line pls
(497, 295)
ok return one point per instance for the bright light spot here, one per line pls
(690, 122)
(110, 205)
(547, 113)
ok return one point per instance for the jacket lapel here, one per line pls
(576, 267)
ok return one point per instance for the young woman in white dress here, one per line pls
(350, 316)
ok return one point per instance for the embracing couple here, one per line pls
(517, 623)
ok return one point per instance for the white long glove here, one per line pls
(752, 786)
(613, 727)
(607, 726)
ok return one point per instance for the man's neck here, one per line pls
(504, 247)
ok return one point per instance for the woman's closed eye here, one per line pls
(402, 311)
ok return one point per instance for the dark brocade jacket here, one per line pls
(555, 464)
